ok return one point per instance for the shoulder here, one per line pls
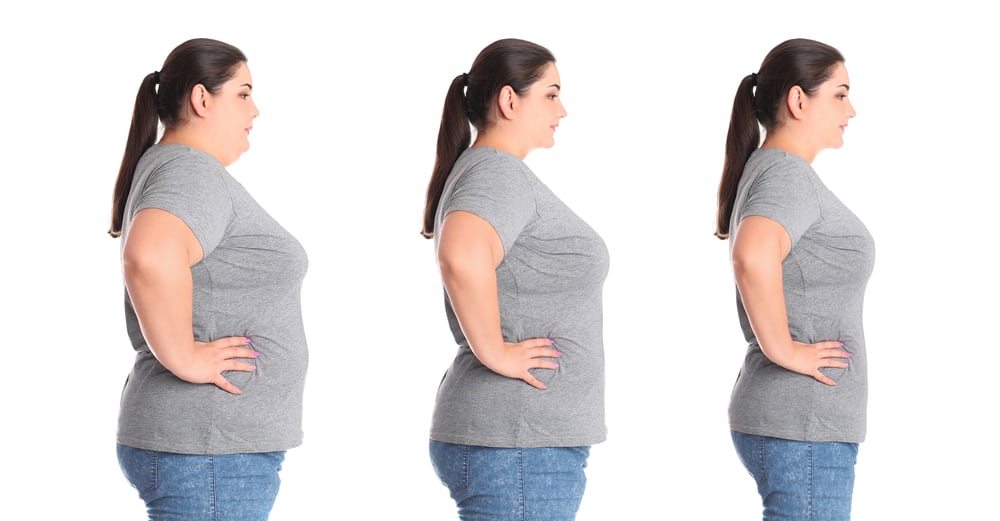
(494, 168)
(179, 164)
(181, 157)
(777, 162)
(776, 169)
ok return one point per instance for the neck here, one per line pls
(790, 141)
(500, 140)
(191, 137)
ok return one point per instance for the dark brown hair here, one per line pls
(162, 97)
(470, 100)
(759, 101)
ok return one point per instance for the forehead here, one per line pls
(550, 75)
(241, 76)
(838, 77)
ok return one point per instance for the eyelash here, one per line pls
(245, 95)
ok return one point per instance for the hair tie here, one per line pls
(753, 79)
(465, 79)
(156, 77)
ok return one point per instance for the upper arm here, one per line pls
(466, 236)
(759, 238)
(156, 235)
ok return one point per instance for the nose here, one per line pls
(253, 109)
(850, 110)
(562, 110)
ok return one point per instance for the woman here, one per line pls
(523, 401)
(801, 261)
(212, 301)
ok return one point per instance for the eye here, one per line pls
(553, 96)
(245, 95)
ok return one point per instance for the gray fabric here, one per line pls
(549, 286)
(824, 279)
(247, 284)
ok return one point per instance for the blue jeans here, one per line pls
(196, 487)
(800, 480)
(500, 484)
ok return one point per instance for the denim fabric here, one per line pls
(508, 484)
(800, 480)
(196, 487)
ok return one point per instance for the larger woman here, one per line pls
(801, 261)
(212, 302)
(523, 400)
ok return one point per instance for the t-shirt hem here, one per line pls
(202, 449)
(583, 441)
(799, 435)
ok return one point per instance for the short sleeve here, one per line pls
(195, 191)
(500, 192)
(785, 195)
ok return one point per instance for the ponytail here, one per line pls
(141, 136)
(743, 138)
(454, 136)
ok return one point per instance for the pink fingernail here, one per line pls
(551, 341)
(246, 340)
(558, 353)
(256, 354)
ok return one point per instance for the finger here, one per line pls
(544, 352)
(241, 352)
(537, 342)
(236, 365)
(226, 385)
(835, 363)
(232, 341)
(545, 364)
(532, 381)
(822, 378)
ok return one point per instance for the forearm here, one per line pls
(161, 294)
(759, 248)
(472, 291)
(762, 294)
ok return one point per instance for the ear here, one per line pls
(200, 100)
(797, 102)
(507, 102)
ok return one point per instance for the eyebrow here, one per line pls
(556, 85)
(247, 85)
(844, 85)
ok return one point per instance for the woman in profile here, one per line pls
(523, 400)
(801, 262)
(212, 302)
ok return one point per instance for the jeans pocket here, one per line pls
(138, 466)
(451, 464)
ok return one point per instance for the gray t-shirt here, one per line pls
(549, 285)
(247, 284)
(824, 278)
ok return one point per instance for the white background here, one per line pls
(350, 101)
